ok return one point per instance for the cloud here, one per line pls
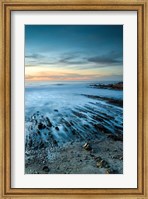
(72, 58)
(34, 56)
(66, 59)
(76, 60)
(109, 59)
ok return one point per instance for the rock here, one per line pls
(46, 169)
(30, 143)
(42, 145)
(56, 110)
(115, 137)
(111, 171)
(38, 132)
(102, 164)
(87, 147)
(71, 123)
(73, 132)
(49, 124)
(55, 142)
(57, 128)
(41, 126)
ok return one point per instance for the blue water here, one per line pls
(43, 96)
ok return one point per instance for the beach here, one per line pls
(74, 128)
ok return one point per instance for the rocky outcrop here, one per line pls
(38, 132)
(115, 86)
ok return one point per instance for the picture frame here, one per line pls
(7, 7)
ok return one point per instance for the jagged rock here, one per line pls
(49, 124)
(41, 126)
(87, 147)
(57, 128)
(38, 134)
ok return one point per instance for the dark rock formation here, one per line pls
(115, 86)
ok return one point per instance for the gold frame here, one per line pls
(6, 6)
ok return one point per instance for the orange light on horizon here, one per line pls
(54, 74)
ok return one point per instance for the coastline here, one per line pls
(56, 138)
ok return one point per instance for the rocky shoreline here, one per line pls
(104, 157)
(74, 138)
(114, 86)
(86, 141)
(116, 102)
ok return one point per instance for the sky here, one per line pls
(73, 53)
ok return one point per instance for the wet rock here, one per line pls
(46, 169)
(55, 142)
(114, 86)
(68, 124)
(30, 143)
(116, 137)
(116, 102)
(101, 128)
(38, 132)
(79, 114)
(71, 123)
(42, 145)
(41, 126)
(87, 147)
(73, 132)
(49, 124)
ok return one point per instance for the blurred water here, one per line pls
(46, 96)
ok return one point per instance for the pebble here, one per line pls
(46, 169)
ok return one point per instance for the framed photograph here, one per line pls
(73, 99)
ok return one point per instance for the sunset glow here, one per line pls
(73, 53)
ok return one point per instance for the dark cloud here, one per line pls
(112, 58)
(34, 56)
(80, 61)
(72, 58)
